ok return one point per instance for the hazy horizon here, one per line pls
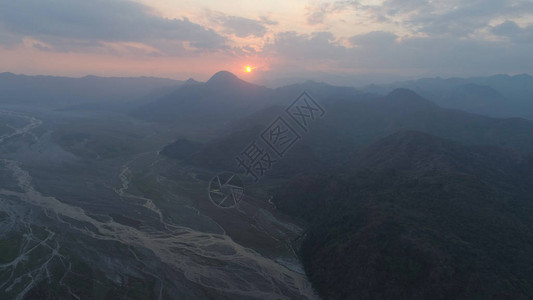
(357, 81)
(327, 149)
(332, 41)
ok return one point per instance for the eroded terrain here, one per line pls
(89, 210)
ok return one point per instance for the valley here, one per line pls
(75, 225)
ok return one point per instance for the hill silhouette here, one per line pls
(350, 125)
(418, 217)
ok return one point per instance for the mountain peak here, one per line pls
(402, 93)
(190, 81)
(405, 99)
(223, 77)
(226, 81)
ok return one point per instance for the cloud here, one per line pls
(317, 14)
(437, 36)
(385, 52)
(457, 18)
(515, 33)
(439, 17)
(7, 38)
(507, 28)
(242, 27)
(100, 20)
(318, 47)
(267, 21)
(374, 39)
(239, 26)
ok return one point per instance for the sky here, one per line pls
(338, 41)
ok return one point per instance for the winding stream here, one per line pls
(213, 261)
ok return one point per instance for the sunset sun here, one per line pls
(308, 149)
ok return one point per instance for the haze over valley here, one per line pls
(252, 150)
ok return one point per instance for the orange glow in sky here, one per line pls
(256, 39)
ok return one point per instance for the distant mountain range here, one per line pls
(224, 95)
(226, 104)
(498, 95)
(404, 199)
(61, 92)
(233, 98)
(355, 123)
(414, 190)
(225, 99)
(418, 217)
